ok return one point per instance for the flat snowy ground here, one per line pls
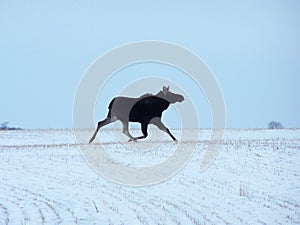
(255, 179)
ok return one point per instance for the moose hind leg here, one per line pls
(126, 131)
(99, 125)
(157, 122)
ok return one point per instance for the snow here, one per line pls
(255, 179)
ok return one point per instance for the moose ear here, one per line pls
(166, 89)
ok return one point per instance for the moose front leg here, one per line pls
(144, 127)
(157, 122)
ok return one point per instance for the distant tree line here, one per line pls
(275, 125)
(4, 126)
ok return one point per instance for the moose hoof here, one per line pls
(132, 139)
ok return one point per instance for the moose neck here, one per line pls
(164, 103)
(163, 97)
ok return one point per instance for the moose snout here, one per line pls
(180, 98)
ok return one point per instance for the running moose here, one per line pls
(145, 110)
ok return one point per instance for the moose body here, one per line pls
(145, 110)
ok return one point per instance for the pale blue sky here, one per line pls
(252, 47)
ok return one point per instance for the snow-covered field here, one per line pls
(255, 179)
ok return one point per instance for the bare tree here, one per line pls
(275, 125)
(3, 126)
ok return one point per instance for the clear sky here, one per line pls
(252, 47)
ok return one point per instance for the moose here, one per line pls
(147, 109)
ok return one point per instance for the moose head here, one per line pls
(170, 96)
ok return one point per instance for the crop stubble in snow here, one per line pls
(255, 179)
